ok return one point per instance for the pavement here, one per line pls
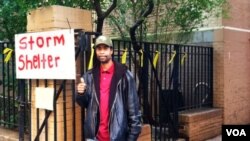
(217, 138)
(10, 135)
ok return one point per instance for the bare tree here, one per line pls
(148, 10)
(101, 15)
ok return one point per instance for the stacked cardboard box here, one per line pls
(58, 17)
(55, 18)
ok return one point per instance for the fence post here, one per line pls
(21, 108)
(176, 70)
(144, 81)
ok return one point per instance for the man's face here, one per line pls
(104, 53)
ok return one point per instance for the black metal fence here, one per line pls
(8, 90)
(184, 67)
(180, 80)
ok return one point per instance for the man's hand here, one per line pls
(81, 87)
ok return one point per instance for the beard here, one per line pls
(104, 59)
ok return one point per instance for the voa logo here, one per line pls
(236, 132)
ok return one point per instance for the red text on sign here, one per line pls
(41, 41)
(39, 61)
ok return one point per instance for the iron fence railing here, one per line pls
(181, 80)
(8, 89)
(190, 66)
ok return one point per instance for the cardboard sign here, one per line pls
(44, 98)
(45, 55)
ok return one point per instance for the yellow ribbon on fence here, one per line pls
(124, 56)
(172, 57)
(8, 53)
(141, 57)
(156, 59)
(91, 57)
(183, 58)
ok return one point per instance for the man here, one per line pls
(108, 92)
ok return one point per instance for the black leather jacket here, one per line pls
(125, 117)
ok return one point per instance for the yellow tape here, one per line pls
(156, 59)
(183, 58)
(141, 59)
(7, 51)
(172, 57)
(91, 57)
(124, 56)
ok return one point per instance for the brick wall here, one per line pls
(218, 65)
(232, 64)
(236, 77)
(210, 22)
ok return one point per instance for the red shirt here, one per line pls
(105, 81)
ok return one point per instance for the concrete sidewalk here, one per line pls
(10, 135)
(217, 138)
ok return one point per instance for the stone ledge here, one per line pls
(201, 124)
(196, 115)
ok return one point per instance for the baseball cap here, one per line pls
(103, 40)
